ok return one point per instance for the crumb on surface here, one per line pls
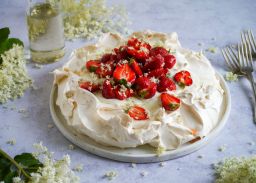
(110, 175)
(162, 164)
(71, 147)
(222, 148)
(144, 173)
(11, 141)
(49, 126)
(78, 168)
(200, 156)
(212, 49)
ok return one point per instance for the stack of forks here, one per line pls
(240, 62)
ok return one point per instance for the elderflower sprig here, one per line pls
(91, 18)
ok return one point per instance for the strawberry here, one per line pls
(123, 74)
(138, 49)
(138, 113)
(157, 73)
(158, 50)
(121, 53)
(170, 61)
(108, 57)
(183, 78)
(105, 69)
(165, 84)
(87, 85)
(135, 66)
(121, 92)
(170, 102)
(92, 65)
(154, 62)
(108, 90)
(145, 87)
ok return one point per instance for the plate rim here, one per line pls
(144, 158)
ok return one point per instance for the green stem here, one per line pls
(5, 155)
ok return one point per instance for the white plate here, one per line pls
(142, 154)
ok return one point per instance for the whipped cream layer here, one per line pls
(105, 120)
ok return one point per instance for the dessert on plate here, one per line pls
(141, 89)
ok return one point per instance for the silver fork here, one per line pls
(246, 67)
(231, 59)
(247, 36)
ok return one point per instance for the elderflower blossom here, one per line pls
(230, 76)
(239, 170)
(89, 19)
(14, 79)
(53, 171)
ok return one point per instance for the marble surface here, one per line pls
(213, 23)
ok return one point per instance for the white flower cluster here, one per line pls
(53, 171)
(14, 79)
(230, 76)
(238, 170)
(89, 19)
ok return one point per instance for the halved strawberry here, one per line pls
(145, 87)
(154, 62)
(105, 69)
(92, 65)
(138, 49)
(165, 84)
(87, 85)
(108, 90)
(170, 102)
(183, 78)
(170, 61)
(123, 74)
(138, 113)
(158, 50)
(157, 73)
(135, 66)
(121, 92)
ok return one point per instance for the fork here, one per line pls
(246, 66)
(247, 36)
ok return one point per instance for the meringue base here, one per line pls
(143, 153)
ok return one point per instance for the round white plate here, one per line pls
(141, 154)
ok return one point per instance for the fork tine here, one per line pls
(240, 54)
(250, 56)
(252, 40)
(233, 56)
(227, 59)
(246, 45)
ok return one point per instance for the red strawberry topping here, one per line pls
(123, 74)
(145, 87)
(170, 102)
(108, 90)
(183, 78)
(92, 65)
(135, 66)
(87, 85)
(121, 53)
(165, 84)
(157, 73)
(138, 113)
(105, 69)
(138, 49)
(158, 50)
(121, 92)
(154, 62)
(170, 61)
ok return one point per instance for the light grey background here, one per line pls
(213, 23)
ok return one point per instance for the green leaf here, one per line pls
(4, 33)
(28, 161)
(8, 178)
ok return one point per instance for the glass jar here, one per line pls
(45, 31)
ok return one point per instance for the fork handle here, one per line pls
(251, 79)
